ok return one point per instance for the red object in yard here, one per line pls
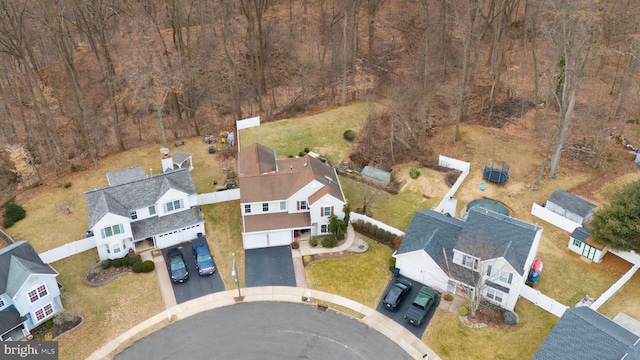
(537, 266)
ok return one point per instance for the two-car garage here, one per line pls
(267, 239)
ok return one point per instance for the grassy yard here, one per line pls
(450, 339)
(359, 277)
(322, 133)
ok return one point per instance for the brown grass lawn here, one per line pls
(450, 339)
(359, 277)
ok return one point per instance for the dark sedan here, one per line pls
(177, 267)
(397, 291)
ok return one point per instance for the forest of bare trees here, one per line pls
(83, 79)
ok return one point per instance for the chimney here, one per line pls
(167, 162)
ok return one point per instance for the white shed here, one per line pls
(376, 176)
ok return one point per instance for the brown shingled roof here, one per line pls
(257, 159)
(276, 221)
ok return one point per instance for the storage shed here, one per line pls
(572, 207)
(580, 243)
(376, 176)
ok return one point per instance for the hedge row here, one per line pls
(379, 234)
(137, 266)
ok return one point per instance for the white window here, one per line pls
(577, 242)
(133, 214)
(327, 211)
(470, 262)
(302, 205)
(38, 292)
(247, 209)
(152, 210)
(323, 229)
(44, 312)
(495, 295)
(265, 207)
(1, 302)
(112, 230)
(283, 205)
(506, 277)
(173, 205)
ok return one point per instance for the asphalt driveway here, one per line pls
(269, 267)
(398, 316)
(197, 285)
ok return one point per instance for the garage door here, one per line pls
(262, 240)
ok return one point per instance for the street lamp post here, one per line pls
(234, 273)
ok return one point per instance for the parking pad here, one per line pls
(398, 316)
(197, 285)
(269, 267)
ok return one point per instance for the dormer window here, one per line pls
(173, 205)
(133, 214)
(470, 262)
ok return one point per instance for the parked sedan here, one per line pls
(177, 268)
(204, 261)
(397, 291)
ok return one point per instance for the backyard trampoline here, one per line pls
(494, 174)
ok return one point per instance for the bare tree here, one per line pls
(254, 10)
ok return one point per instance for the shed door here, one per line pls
(589, 251)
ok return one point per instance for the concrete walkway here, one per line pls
(164, 282)
(386, 326)
(305, 250)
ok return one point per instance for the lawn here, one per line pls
(321, 133)
(359, 277)
(450, 339)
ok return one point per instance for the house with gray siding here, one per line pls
(29, 292)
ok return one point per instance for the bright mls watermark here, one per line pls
(41, 350)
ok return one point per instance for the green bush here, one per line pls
(463, 310)
(349, 135)
(329, 241)
(306, 150)
(392, 262)
(49, 324)
(132, 259)
(13, 213)
(67, 184)
(380, 234)
(106, 264)
(388, 237)
(290, 156)
(414, 173)
(511, 318)
(313, 241)
(366, 227)
(301, 153)
(148, 266)
(295, 245)
(117, 263)
(137, 267)
(448, 297)
(373, 230)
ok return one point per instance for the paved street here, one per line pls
(265, 330)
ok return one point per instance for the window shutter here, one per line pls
(332, 210)
(489, 270)
(321, 211)
(298, 203)
(121, 229)
(510, 278)
(103, 234)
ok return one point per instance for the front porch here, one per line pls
(145, 245)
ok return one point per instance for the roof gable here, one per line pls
(120, 199)
(434, 233)
(17, 262)
(586, 334)
(573, 203)
(257, 159)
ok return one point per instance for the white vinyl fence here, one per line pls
(543, 301)
(615, 287)
(355, 217)
(553, 218)
(218, 197)
(453, 164)
(68, 249)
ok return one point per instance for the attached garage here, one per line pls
(178, 236)
(267, 239)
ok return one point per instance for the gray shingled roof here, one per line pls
(10, 318)
(580, 233)
(126, 175)
(18, 261)
(432, 232)
(157, 225)
(584, 334)
(573, 203)
(120, 199)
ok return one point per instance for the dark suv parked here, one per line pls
(177, 268)
(204, 261)
(397, 291)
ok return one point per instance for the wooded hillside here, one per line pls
(86, 78)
